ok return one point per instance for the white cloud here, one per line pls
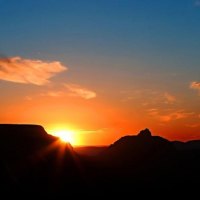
(79, 91)
(29, 71)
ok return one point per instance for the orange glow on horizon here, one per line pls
(97, 122)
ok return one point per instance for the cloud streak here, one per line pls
(193, 125)
(53, 94)
(154, 97)
(68, 90)
(79, 91)
(170, 116)
(93, 131)
(169, 99)
(29, 71)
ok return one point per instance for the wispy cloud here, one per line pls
(193, 125)
(153, 112)
(28, 98)
(170, 116)
(149, 97)
(195, 85)
(169, 99)
(53, 94)
(79, 91)
(29, 71)
(181, 114)
(136, 94)
(197, 3)
(67, 90)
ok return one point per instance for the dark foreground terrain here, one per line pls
(35, 163)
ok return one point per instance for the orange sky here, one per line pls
(94, 118)
(104, 69)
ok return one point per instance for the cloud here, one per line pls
(53, 94)
(93, 131)
(138, 94)
(170, 116)
(67, 90)
(197, 3)
(195, 85)
(153, 112)
(28, 98)
(193, 125)
(175, 115)
(79, 91)
(169, 99)
(29, 71)
(149, 97)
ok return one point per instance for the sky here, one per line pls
(103, 69)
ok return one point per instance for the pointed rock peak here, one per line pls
(145, 133)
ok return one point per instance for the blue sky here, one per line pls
(112, 27)
(161, 35)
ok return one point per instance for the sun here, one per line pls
(65, 135)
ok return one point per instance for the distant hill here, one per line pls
(147, 161)
(137, 148)
(33, 162)
(189, 145)
(90, 150)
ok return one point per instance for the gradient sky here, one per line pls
(103, 68)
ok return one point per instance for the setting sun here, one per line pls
(65, 135)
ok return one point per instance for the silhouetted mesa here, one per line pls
(22, 140)
(23, 130)
(30, 159)
(33, 161)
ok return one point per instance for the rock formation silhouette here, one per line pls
(34, 162)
